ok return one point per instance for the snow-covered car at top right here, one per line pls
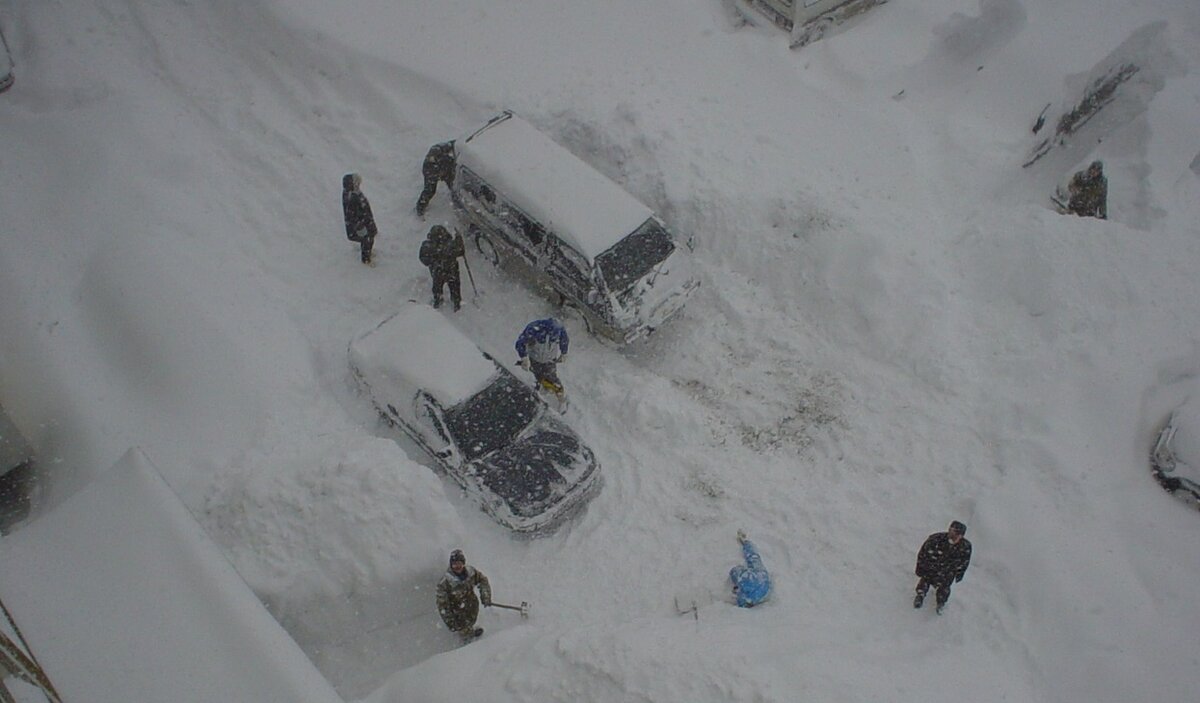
(488, 430)
(1175, 458)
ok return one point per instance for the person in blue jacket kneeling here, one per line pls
(751, 583)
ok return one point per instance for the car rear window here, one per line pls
(492, 418)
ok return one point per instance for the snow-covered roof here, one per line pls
(576, 202)
(417, 348)
(122, 596)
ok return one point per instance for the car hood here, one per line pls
(538, 473)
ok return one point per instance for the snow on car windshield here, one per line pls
(493, 418)
(635, 255)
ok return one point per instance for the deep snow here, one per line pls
(894, 330)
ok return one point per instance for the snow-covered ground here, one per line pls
(894, 330)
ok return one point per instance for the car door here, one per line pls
(431, 424)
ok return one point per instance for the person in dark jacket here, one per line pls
(1089, 192)
(456, 601)
(440, 253)
(438, 166)
(360, 223)
(943, 560)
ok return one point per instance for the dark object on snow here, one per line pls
(942, 560)
(456, 601)
(1100, 93)
(1041, 119)
(486, 429)
(1088, 192)
(6, 65)
(810, 20)
(751, 582)
(1173, 460)
(437, 166)
(440, 253)
(360, 223)
(18, 479)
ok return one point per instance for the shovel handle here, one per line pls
(523, 608)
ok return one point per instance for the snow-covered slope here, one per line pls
(894, 330)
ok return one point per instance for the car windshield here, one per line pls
(635, 255)
(493, 417)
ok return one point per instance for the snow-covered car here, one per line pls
(478, 421)
(569, 230)
(1175, 458)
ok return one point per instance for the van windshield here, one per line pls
(634, 256)
(492, 418)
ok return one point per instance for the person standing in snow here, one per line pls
(751, 582)
(541, 347)
(1089, 192)
(456, 601)
(440, 253)
(943, 560)
(438, 166)
(360, 223)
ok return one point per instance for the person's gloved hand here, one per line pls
(523, 362)
(741, 536)
(562, 359)
(487, 603)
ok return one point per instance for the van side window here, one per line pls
(531, 230)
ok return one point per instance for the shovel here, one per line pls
(523, 607)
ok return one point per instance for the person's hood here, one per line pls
(350, 181)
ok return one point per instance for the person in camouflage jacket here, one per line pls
(456, 601)
(1089, 192)
(438, 166)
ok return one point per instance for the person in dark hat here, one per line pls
(440, 253)
(943, 560)
(360, 223)
(456, 601)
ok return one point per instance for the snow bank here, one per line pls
(122, 597)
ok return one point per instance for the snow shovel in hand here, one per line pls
(523, 607)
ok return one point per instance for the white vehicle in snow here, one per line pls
(568, 228)
(482, 425)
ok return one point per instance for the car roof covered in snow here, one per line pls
(417, 348)
(580, 205)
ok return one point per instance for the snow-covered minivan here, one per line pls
(526, 200)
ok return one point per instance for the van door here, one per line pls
(568, 269)
(530, 237)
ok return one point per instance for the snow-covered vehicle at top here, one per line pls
(489, 431)
(1175, 458)
(569, 229)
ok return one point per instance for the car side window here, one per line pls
(427, 413)
(527, 228)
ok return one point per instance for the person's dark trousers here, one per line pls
(430, 189)
(367, 244)
(943, 589)
(447, 278)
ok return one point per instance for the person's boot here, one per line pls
(919, 600)
(940, 606)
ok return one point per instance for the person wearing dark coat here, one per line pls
(438, 166)
(440, 253)
(360, 223)
(943, 560)
(1089, 193)
(456, 601)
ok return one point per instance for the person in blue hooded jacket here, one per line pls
(751, 582)
(541, 347)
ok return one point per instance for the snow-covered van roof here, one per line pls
(417, 348)
(580, 205)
